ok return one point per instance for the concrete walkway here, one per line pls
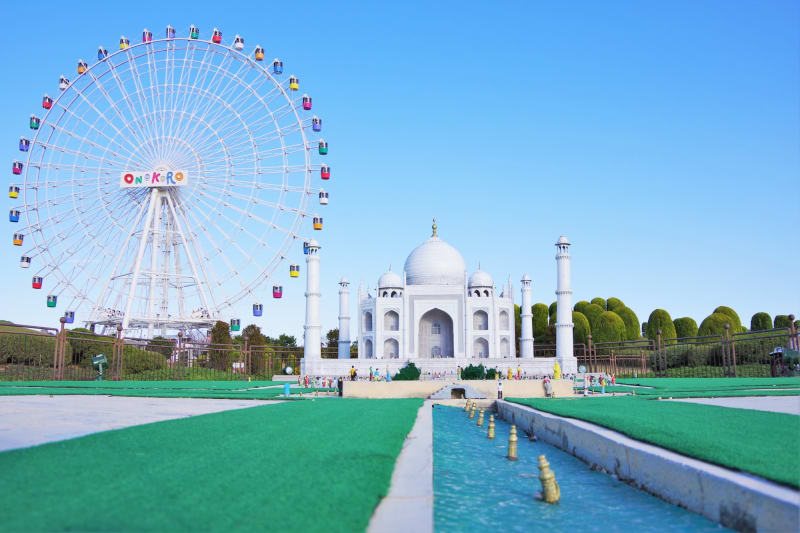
(776, 404)
(409, 504)
(32, 420)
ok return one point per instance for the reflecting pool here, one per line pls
(477, 489)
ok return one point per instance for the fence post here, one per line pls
(659, 364)
(118, 351)
(589, 359)
(178, 355)
(58, 354)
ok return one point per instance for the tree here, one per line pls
(736, 323)
(599, 301)
(161, 345)
(630, 320)
(614, 304)
(283, 340)
(760, 321)
(552, 309)
(714, 324)
(581, 306)
(660, 320)
(782, 321)
(332, 338)
(220, 357)
(593, 312)
(254, 336)
(609, 328)
(644, 329)
(685, 327)
(582, 329)
(540, 315)
(258, 351)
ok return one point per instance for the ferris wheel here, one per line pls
(166, 182)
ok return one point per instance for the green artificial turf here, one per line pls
(250, 394)
(759, 442)
(711, 384)
(295, 466)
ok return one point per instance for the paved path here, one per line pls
(31, 420)
(776, 404)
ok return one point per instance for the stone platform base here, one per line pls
(444, 367)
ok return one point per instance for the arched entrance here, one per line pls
(480, 348)
(435, 334)
(391, 349)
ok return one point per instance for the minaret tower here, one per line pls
(344, 319)
(564, 352)
(526, 317)
(311, 337)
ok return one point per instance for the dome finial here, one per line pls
(434, 228)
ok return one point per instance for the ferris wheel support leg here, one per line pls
(179, 229)
(138, 265)
(156, 231)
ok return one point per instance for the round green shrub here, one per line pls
(553, 318)
(714, 324)
(581, 306)
(552, 309)
(593, 312)
(473, 372)
(760, 321)
(540, 316)
(660, 320)
(609, 328)
(631, 322)
(410, 372)
(582, 329)
(644, 329)
(613, 304)
(685, 327)
(782, 321)
(735, 322)
(599, 301)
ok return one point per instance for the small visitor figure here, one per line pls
(585, 384)
(556, 371)
(548, 387)
(371, 374)
(519, 372)
(614, 379)
(352, 373)
(510, 373)
(458, 371)
(603, 384)
(499, 390)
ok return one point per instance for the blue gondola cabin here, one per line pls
(323, 148)
(16, 168)
(258, 309)
(13, 191)
(305, 247)
(170, 32)
(325, 172)
(294, 83)
(236, 324)
(24, 262)
(316, 124)
(147, 36)
(238, 43)
(317, 223)
(259, 53)
(52, 299)
(13, 215)
(102, 53)
(69, 317)
(24, 144)
(277, 66)
(323, 198)
(216, 36)
(306, 102)
(294, 271)
(277, 291)
(36, 283)
(17, 239)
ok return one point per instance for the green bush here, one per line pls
(552, 309)
(581, 306)
(601, 302)
(660, 320)
(581, 330)
(553, 319)
(161, 345)
(644, 329)
(614, 304)
(491, 373)
(782, 321)
(37, 350)
(685, 327)
(86, 345)
(714, 324)
(609, 328)
(540, 315)
(135, 360)
(735, 322)
(631, 322)
(410, 372)
(473, 372)
(592, 313)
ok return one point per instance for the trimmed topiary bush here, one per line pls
(581, 306)
(473, 372)
(540, 316)
(582, 329)
(410, 372)
(552, 309)
(736, 323)
(685, 327)
(714, 324)
(553, 318)
(599, 301)
(592, 313)
(631, 322)
(782, 321)
(660, 320)
(760, 321)
(644, 329)
(609, 328)
(615, 304)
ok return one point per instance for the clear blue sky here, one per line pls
(662, 138)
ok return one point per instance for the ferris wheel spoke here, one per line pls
(249, 199)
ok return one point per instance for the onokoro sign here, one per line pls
(152, 178)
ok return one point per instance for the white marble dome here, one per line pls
(390, 280)
(434, 262)
(479, 278)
